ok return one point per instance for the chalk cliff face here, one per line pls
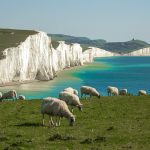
(35, 58)
(140, 52)
(67, 56)
(93, 52)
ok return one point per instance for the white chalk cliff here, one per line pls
(140, 52)
(35, 58)
(93, 52)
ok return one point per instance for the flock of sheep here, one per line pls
(115, 91)
(58, 107)
(11, 95)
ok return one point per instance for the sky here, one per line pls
(112, 20)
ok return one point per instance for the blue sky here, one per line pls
(112, 20)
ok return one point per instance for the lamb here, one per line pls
(10, 95)
(142, 92)
(21, 97)
(112, 91)
(70, 99)
(71, 90)
(123, 92)
(87, 90)
(56, 107)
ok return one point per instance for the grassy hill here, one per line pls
(84, 41)
(12, 38)
(119, 47)
(124, 47)
(109, 123)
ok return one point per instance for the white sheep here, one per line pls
(71, 90)
(10, 95)
(55, 107)
(87, 90)
(70, 99)
(21, 97)
(112, 91)
(123, 92)
(142, 92)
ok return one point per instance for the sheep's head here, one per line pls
(80, 107)
(72, 120)
(75, 92)
(99, 96)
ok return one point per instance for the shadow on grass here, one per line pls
(58, 136)
(28, 124)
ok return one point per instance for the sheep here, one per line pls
(56, 107)
(123, 92)
(21, 97)
(142, 92)
(10, 95)
(112, 91)
(70, 99)
(71, 90)
(87, 90)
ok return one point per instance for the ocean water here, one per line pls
(132, 73)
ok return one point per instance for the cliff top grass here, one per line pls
(55, 44)
(109, 123)
(12, 37)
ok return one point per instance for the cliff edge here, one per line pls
(36, 59)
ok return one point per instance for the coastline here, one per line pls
(14, 83)
(60, 75)
(17, 83)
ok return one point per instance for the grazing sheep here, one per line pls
(70, 99)
(71, 90)
(123, 92)
(142, 92)
(21, 97)
(87, 90)
(112, 91)
(55, 107)
(10, 95)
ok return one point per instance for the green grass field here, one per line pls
(109, 123)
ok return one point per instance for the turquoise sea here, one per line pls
(132, 73)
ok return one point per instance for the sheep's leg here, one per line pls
(72, 109)
(85, 96)
(81, 95)
(49, 120)
(52, 122)
(56, 124)
(90, 96)
(43, 119)
(59, 121)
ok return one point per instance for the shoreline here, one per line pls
(14, 83)
(17, 83)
